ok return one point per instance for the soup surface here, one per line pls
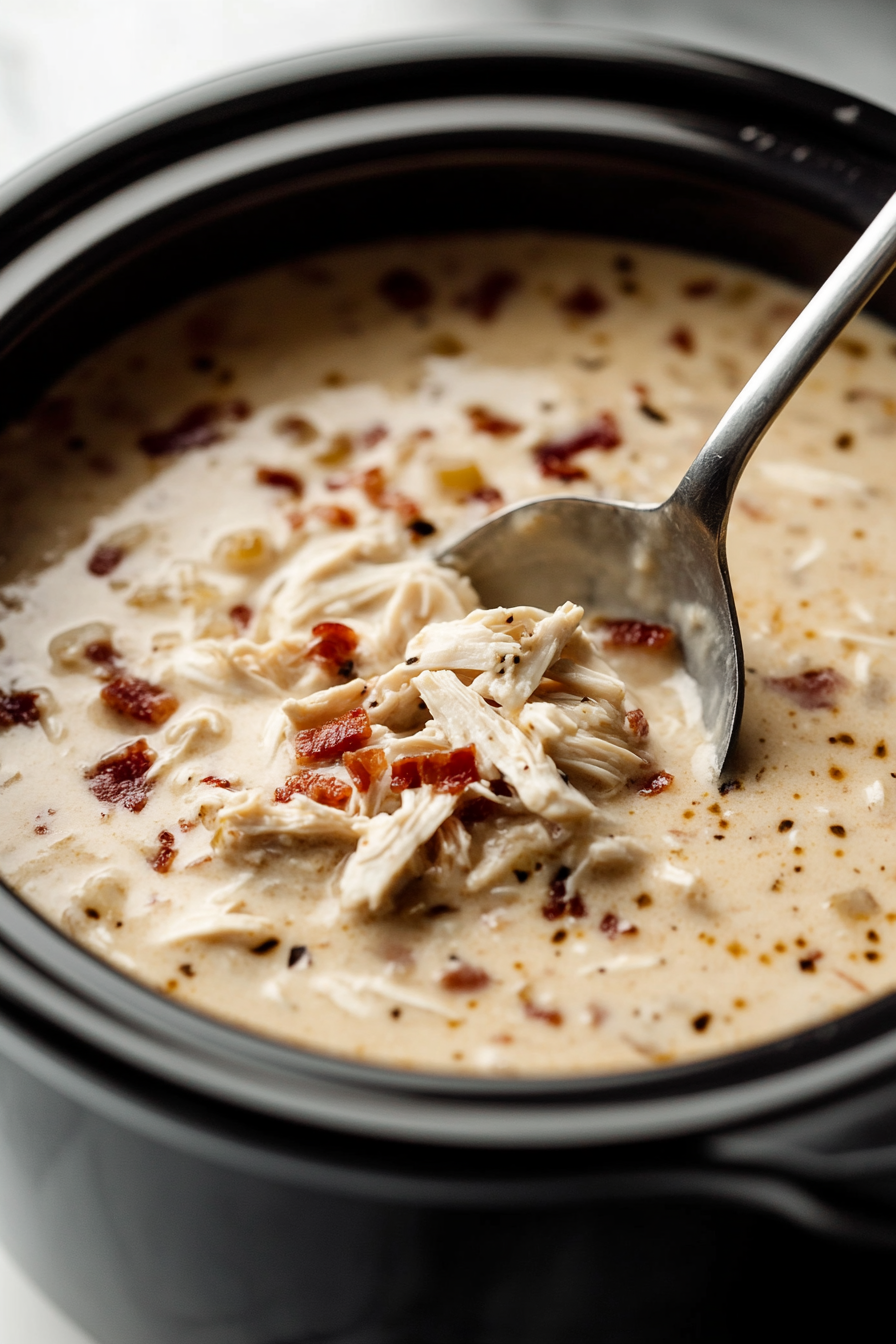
(262, 753)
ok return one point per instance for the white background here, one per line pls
(67, 65)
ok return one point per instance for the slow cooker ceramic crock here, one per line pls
(171, 1180)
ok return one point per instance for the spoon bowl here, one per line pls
(667, 563)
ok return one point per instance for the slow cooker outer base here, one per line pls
(146, 1241)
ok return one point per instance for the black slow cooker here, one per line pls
(172, 1180)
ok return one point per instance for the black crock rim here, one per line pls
(88, 998)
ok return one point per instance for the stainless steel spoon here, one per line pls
(667, 562)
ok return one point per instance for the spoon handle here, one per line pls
(708, 486)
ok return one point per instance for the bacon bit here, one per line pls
(462, 978)
(348, 732)
(488, 494)
(445, 771)
(373, 483)
(683, 339)
(333, 644)
(485, 421)
(637, 635)
(216, 783)
(18, 707)
(700, 289)
(326, 789)
(489, 294)
(199, 427)
(406, 290)
(166, 853)
(555, 458)
(280, 480)
(613, 926)
(406, 774)
(657, 783)
(636, 723)
(816, 689)
(334, 515)
(552, 1016)
(119, 778)
(583, 301)
(104, 559)
(369, 438)
(297, 428)
(139, 700)
(558, 903)
(241, 615)
(102, 653)
(365, 767)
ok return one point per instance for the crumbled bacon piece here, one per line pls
(683, 339)
(241, 615)
(555, 458)
(369, 438)
(612, 926)
(485, 421)
(406, 774)
(373, 484)
(103, 653)
(655, 784)
(165, 854)
(636, 723)
(583, 301)
(488, 494)
(326, 789)
(365, 767)
(700, 289)
(552, 1016)
(558, 903)
(333, 646)
(216, 783)
(120, 777)
(334, 515)
(198, 427)
(348, 732)
(816, 689)
(445, 771)
(637, 635)
(139, 700)
(18, 707)
(280, 480)
(104, 559)
(489, 294)
(406, 290)
(462, 978)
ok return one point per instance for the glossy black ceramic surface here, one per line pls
(180, 1181)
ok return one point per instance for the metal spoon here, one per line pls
(667, 562)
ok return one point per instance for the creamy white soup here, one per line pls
(259, 750)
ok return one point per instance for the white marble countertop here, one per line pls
(68, 65)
